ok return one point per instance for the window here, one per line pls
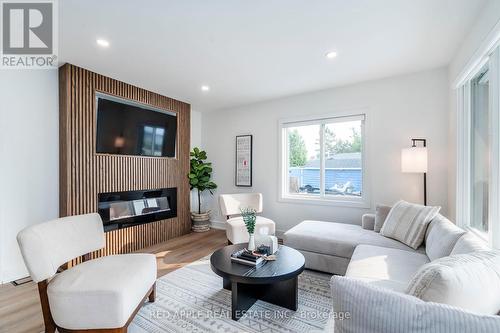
(322, 160)
(478, 149)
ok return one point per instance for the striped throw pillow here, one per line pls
(362, 307)
(469, 281)
(407, 222)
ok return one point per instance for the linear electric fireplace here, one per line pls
(126, 209)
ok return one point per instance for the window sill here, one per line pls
(325, 201)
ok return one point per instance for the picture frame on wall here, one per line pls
(244, 162)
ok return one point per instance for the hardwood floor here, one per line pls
(20, 309)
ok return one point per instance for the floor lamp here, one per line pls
(414, 160)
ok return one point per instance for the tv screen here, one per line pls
(126, 128)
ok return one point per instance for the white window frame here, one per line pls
(464, 114)
(330, 200)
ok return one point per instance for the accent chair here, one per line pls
(230, 205)
(99, 295)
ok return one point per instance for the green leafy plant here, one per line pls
(249, 217)
(200, 174)
(298, 149)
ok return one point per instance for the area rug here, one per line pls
(191, 299)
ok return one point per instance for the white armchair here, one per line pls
(100, 295)
(230, 205)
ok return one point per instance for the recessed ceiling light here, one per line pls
(331, 55)
(205, 88)
(102, 42)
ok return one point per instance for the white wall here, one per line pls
(195, 129)
(29, 159)
(196, 141)
(485, 22)
(397, 109)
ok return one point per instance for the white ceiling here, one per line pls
(249, 51)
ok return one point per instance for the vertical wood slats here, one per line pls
(84, 174)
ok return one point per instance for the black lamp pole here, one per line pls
(424, 144)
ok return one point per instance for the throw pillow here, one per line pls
(469, 281)
(361, 307)
(381, 213)
(441, 237)
(408, 222)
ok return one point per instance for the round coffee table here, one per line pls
(271, 281)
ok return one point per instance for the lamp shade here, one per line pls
(414, 160)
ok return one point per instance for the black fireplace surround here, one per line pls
(126, 209)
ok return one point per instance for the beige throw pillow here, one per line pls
(408, 222)
(469, 281)
(379, 310)
(440, 237)
(381, 213)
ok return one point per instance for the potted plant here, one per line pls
(199, 178)
(249, 217)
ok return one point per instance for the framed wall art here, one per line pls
(244, 161)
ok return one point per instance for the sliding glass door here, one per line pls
(478, 150)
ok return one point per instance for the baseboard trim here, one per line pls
(21, 281)
(12, 275)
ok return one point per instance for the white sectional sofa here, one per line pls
(367, 258)
(346, 249)
(329, 246)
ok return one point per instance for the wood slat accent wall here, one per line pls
(84, 174)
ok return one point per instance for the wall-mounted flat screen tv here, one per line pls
(128, 128)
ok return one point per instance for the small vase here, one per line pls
(251, 243)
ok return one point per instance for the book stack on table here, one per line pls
(246, 257)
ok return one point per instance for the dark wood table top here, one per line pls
(288, 264)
